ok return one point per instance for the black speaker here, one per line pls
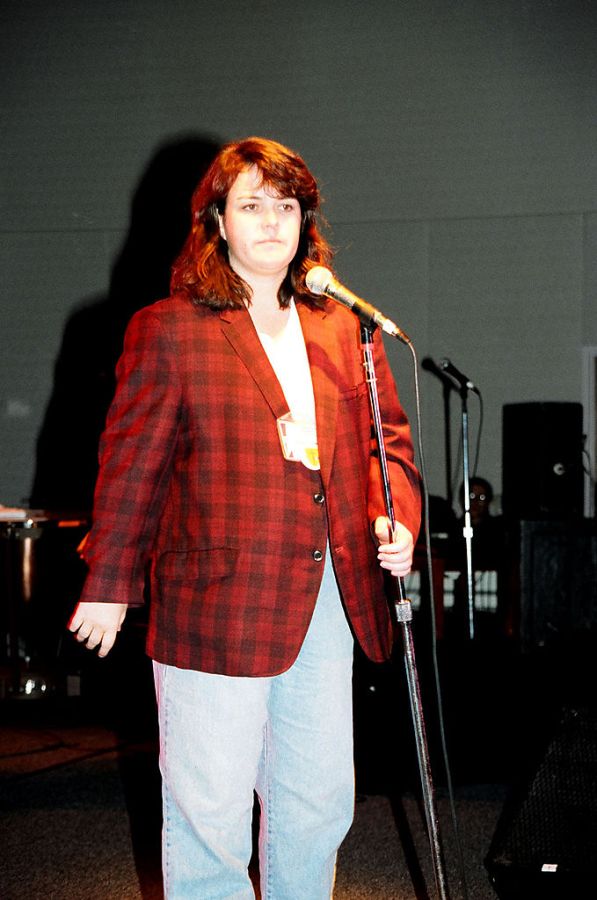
(553, 583)
(545, 846)
(542, 473)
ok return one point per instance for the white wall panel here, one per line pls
(454, 143)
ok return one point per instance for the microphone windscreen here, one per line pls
(318, 279)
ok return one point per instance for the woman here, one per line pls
(237, 461)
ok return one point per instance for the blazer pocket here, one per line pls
(205, 565)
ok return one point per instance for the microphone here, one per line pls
(320, 280)
(430, 365)
(458, 376)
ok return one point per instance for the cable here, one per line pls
(456, 477)
(479, 434)
(437, 680)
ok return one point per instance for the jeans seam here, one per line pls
(166, 823)
(268, 813)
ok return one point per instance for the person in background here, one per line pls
(488, 530)
(480, 496)
(237, 464)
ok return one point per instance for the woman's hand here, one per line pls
(97, 624)
(395, 551)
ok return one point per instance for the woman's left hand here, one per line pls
(395, 552)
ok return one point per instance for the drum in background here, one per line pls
(41, 575)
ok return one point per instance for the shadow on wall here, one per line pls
(67, 445)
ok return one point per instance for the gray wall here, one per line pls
(454, 142)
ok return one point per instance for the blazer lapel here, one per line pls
(238, 328)
(322, 350)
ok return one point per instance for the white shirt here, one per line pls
(288, 355)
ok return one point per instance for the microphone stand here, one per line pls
(404, 616)
(449, 383)
(467, 530)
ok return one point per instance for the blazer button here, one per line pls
(317, 555)
(318, 498)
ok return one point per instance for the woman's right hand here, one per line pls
(97, 624)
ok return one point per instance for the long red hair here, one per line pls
(202, 270)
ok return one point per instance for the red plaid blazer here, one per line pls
(193, 482)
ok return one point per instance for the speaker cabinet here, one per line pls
(550, 581)
(545, 845)
(542, 460)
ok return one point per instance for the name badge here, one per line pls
(298, 439)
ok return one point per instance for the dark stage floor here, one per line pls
(80, 804)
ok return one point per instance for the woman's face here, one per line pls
(261, 229)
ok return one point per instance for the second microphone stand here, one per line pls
(467, 530)
(404, 616)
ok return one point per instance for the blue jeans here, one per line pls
(289, 737)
